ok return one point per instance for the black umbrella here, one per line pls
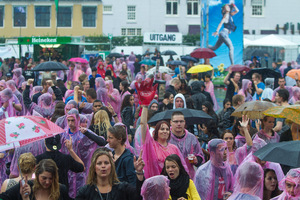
(169, 53)
(116, 55)
(176, 62)
(286, 153)
(191, 116)
(260, 53)
(265, 73)
(50, 66)
(189, 58)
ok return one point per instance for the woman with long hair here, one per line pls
(127, 113)
(267, 133)
(228, 136)
(124, 87)
(270, 184)
(181, 186)
(59, 111)
(102, 181)
(226, 105)
(113, 97)
(44, 186)
(207, 107)
(125, 68)
(228, 10)
(101, 123)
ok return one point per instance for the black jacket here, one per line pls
(119, 191)
(197, 96)
(228, 119)
(125, 168)
(172, 90)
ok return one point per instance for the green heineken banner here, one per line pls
(44, 40)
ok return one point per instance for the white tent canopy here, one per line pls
(273, 41)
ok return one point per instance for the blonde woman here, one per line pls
(101, 123)
(26, 166)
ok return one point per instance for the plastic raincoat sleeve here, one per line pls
(92, 136)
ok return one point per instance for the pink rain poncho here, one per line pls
(115, 99)
(130, 66)
(292, 176)
(12, 85)
(249, 182)
(7, 95)
(18, 77)
(156, 188)
(258, 143)
(188, 145)
(62, 121)
(296, 95)
(154, 155)
(268, 139)
(243, 91)
(83, 147)
(283, 67)
(214, 177)
(35, 90)
(209, 87)
(117, 66)
(36, 148)
(101, 90)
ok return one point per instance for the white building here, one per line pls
(135, 17)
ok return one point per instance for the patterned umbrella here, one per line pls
(79, 60)
(20, 131)
(291, 112)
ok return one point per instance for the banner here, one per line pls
(224, 31)
(169, 38)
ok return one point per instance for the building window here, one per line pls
(89, 16)
(1, 15)
(64, 17)
(107, 9)
(20, 16)
(192, 7)
(42, 16)
(257, 7)
(131, 13)
(131, 31)
(172, 7)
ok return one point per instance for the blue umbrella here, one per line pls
(188, 58)
(176, 62)
(148, 61)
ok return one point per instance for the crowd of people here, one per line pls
(109, 151)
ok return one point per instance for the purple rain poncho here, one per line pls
(101, 90)
(154, 155)
(296, 95)
(12, 85)
(115, 101)
(62, 121)
(138, 78)
(282, 68)
(3, 83)
(156, 188)
(258, 143)
(83, 147)
(35, 90)
(36, 148)
(292, 176)
(213, 180)
(188, 145)
(130, 66)
(117, 66)
(18, 77)
(249, 182)
(3, 162)
(7, 95)
(243, 91)
(87, 109)
(268, 139)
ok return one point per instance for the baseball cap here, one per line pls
(53, 143)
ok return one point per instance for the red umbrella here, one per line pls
(203, 53)
(79, 60)
(238, 68)
(20, 131)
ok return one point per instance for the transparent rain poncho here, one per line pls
(292, 176)
(249, 182)
(115, 99)
(62, 121)
(8, 96)
(156, 188)
(101, 90)
(12, 85)
(18, 77)
(214, 177)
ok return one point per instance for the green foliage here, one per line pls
(191, 40)
(135, 41)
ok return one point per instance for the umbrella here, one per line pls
(260, 53)
(148, 61)
(203, 53)
(169, 53)
(266, 73)
(238, 68)
(79, 60)
(292, 73)
(253, 109)
(291, 112)
(50, 66)
(20, 131)
(116, 55)
(200, 69)
(286, 153)
(191, 116)
(161, 70)
(189, 58)
(176, 62)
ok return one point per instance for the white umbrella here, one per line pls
(161, 70)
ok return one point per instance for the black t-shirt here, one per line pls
(28, 74)
(64, 164)
(230, 90)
